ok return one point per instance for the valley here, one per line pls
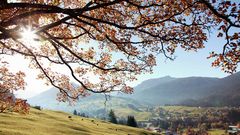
(163, 104)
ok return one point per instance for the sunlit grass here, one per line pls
(140, 116)
(57, 123)
(217, 132)
(182, 109)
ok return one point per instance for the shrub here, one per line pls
(37, 107)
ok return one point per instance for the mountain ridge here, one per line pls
(192, 88)
(157, 91)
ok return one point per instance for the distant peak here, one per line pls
(168, 76)
(237, 75)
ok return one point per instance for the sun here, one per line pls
(28, 36)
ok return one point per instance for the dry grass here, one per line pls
(57, 123)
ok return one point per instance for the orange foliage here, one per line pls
(10, 82)
(128, 35)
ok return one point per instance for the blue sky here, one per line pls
(189, 64)
(186, 64)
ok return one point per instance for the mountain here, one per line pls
(93, 105)
(190, 91)
(173, 90)
(226, 93)
(153, 82)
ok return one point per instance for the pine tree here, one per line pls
(75, 112)
(131, 121)
(112, 117)
(122, 121)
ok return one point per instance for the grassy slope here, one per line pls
(124, 112)
(217, 132)
(54, 122)
(181, 109)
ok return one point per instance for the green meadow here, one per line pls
(47, 122)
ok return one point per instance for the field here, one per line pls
(124, 112)
(213, 120)
(58, 123)
(217, 132)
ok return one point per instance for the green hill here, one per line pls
(47, 122)
(93, 105)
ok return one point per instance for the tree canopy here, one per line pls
(112, 117)
(131, 121)
(10, 82)
(127, 35)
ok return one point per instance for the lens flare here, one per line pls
(29, 37)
